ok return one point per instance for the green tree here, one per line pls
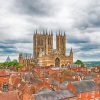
(13, 63)
(79, 62)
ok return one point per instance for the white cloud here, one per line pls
(80, 20)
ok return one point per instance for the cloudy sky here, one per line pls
(80, 19)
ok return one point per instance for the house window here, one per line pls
(5, 87)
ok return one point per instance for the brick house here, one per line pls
(4, 76)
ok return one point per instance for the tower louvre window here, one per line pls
(49, 41)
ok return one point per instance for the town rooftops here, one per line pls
(4, 73)
(84, 86)
(44, 90)
(12, 95)
(54, 95)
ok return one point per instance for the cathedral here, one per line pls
(43, 52)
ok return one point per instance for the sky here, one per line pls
(80, 19)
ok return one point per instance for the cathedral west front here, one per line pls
(43, 52)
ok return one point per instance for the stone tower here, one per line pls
(42, 42)
(61, 43)
(20, 58)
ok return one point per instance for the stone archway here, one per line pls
(57, 62)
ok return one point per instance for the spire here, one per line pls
(26, 56)
(64, 33)
(46, 32)
(71, 52)
(36, 31)
(59, 32)
(51, 32)
(8, 59)
(64, 36)
(20, 54)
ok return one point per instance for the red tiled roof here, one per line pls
(13, 95)
(4, 73)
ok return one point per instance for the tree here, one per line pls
(79, 62)
(10, 64)
(15, 63)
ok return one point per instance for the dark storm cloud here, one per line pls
(7, 48)
(80, 18)
(4, 46)
(89, 56)
(33, 7)
(16, 41)
(90, 17)
(76, 40)
(94, 16)
(9, 51)
(89, 47)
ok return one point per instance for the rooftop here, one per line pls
(54, 95)
(84, 86)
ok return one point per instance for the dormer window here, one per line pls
(5, 87)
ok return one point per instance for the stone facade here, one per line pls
(44, 54)
(26, 60)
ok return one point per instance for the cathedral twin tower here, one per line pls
(45, 55)
(44, 42)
